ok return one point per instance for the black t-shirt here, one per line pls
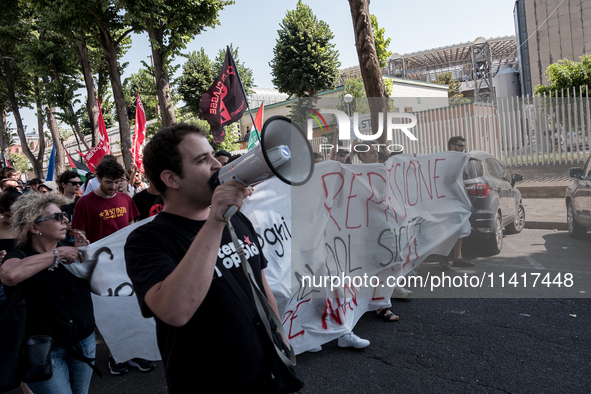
(220, 344)
(58, 303)
(68, 209)
(148, 204)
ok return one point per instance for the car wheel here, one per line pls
(574, 229)
(495, 242)
(516, 226)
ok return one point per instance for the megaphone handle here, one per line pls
(230, 212)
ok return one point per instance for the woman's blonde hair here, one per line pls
(27, 209)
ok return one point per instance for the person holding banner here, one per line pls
(371, 156)
(456, 144)
(179, 264)
(58, 303)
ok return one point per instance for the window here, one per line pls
(502, 171)
(492, 169)
(473, 169)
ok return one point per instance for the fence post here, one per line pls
(588, 125)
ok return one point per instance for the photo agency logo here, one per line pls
(355, 126)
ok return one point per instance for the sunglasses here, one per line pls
(343, 154)
(460, 146)
(73, 183)
(58, 216)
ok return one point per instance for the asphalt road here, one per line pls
(535, 341)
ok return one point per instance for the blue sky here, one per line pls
(414, 25)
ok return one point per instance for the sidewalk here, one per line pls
(542, 190)
(545, 213)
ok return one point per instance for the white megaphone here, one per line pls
(284, 152)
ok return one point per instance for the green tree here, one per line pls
(381, 43)
(16, 75)
(454, 92)
(354, 87)
(196, 78)
(19, 162)
(305, 60)
(246, 75)
(567, 75)
(171, 24)
(109, 24)
(142, 82)
(229, 144)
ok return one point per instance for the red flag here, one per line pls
(225, 101)
(72, 165)
(140, 134)
(258, 120)
(94, 156)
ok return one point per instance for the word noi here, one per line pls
(345, 126)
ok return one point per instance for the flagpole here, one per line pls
(243, 90)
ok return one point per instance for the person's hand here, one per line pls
(79, 239)
(228, 194)
(2, 254)
(69, 254)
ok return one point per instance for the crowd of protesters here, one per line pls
(43, 223)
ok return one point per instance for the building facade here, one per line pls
(548, 31)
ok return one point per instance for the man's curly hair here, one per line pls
(27, 209)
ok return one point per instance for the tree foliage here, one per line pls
(453, 88)
(17, 31)
(171, 24)
(566, 75)
(19, 162)
(196, 78)
(305, 60)
(142, 82)
(380, 42)
(245, 73)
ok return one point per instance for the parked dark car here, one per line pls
(496, 202)
(578, 200)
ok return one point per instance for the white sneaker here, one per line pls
(352, 340)
(315, 349)
(400, 292)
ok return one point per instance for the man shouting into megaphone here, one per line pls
(204, 333)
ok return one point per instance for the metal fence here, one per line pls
(519, 131)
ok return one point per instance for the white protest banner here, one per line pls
(355, 221)
(116, 310)
(349, 220)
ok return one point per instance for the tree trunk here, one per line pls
(39, 121)
(91, 105)
(162, 84)
(110, 51)
(70, 109)
(4, 135)
(60, 156)
(37, 164)
(369, 65)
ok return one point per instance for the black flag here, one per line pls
(225, 101)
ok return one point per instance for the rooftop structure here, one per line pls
(479, 61)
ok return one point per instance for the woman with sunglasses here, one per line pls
(58, 303)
